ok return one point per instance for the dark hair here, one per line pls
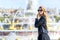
(40, 9)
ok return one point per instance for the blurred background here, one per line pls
(17, 18)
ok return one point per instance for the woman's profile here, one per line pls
(40, 23)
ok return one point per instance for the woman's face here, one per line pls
(40, 11)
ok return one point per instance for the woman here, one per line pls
(40, 23)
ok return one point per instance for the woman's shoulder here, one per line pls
(43, 17)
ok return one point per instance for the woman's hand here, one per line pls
(37, 15)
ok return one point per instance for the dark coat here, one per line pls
(41, 24)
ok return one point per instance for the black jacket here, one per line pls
(41, 24)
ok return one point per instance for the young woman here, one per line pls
(40, 23)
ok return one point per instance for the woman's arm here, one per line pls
(36, 22)
(40, 22)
